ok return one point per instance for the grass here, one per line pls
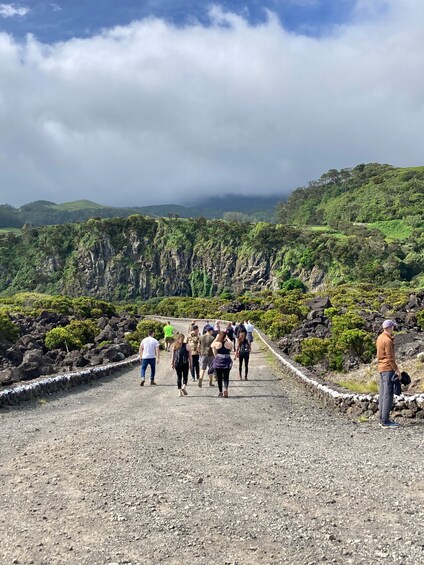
(327, 230)
(367, 387)
(79, 205)
(8, 230)
(393, 229)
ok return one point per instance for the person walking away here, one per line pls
(243, 354)
(230, 334)
(205, 328)
(222, 348)
(206, 355)
(389, 373)
(181, 362)
(216, 328)
(193, 341)
(168, 332)
(240, 328)
(249, 330)
(191, 326)
(149, 355)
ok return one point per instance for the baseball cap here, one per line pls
(388, 324)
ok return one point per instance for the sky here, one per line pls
(132, 103)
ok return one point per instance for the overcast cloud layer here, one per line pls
(152, 113)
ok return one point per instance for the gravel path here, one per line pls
(116, 473)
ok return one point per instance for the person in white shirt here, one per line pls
(249, 331)
(149, 355)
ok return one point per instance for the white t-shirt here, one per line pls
(249, 328)
(149, 347)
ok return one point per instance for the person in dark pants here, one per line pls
(193, 341)
(222, 348)
(181, 362)
(149, 355)
(243, 354)
(389, 373)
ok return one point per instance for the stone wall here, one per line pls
(405, 406)
(42, 387)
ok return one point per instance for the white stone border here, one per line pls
(13, 395)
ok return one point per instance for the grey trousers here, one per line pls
(385, 399)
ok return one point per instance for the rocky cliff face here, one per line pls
(139, 257)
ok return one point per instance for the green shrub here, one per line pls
(359, 343)
(348, 321)
(73, 336)
(142, 331)
(8, 330)
(420, 319)
(313, 350)
(292, 284)
(62, 338)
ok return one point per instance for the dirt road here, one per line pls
(116, 473)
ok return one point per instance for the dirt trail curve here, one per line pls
(115, 473)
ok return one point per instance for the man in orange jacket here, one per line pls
(389, 372)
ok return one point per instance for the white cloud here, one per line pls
(11, 10)
(152, 113)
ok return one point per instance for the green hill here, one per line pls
(367, 194)
(44, 212)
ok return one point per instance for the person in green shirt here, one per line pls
(168, 332)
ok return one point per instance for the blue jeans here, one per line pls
(385, 399)
(144, 364)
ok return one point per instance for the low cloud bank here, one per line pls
(152, 113)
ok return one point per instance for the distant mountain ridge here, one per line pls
(44, 212)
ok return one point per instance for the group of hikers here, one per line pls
(212, 349)
(209, 351)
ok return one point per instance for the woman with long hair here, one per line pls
(243, 353)
(181, 362)
(222, 362)
(193, 341)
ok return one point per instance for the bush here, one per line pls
(313, 350)
(73, 336)
(293, 284)
(62, 338)
(348, 321)
(8, 330)
(142, 331)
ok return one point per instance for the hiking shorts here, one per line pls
(205, 361)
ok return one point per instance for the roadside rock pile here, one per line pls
(28, 358)
(409, 340)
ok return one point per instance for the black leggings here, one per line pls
(195, 369)
(182, 375)
(245, 357)
(223, 375)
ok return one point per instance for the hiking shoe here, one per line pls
(220, 394)
(200, 382)
(152, 383)
(389, 424)
(142, 383)
(225, 393)
(185, 391)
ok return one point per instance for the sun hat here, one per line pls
(388, 324)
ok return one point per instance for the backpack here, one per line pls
(244, 347)
(181, 356)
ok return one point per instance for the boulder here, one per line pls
(30, 368)
(9, 376)
(319, 304)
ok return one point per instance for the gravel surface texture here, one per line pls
(116, 473)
